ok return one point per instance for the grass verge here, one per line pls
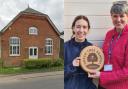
(22, 70)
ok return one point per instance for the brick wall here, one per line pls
(19, 28)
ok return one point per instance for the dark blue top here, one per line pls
(75, 77)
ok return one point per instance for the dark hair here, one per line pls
(80, 17)
(119, 7)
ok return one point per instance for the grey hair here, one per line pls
(119, 7)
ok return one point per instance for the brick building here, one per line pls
(30, 35)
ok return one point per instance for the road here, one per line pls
(45, 82)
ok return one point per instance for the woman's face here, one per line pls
(80, 29)
(119, 20)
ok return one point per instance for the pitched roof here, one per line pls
(31, 11)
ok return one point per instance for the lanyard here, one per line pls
(112, 44)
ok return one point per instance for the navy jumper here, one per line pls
(75, 77)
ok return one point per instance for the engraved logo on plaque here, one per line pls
(92, 58)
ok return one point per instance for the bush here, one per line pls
(58, 62)
(42, 63)
(37, 63)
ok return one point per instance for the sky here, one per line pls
(53, 8)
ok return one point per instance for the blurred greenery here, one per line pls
(23, 70)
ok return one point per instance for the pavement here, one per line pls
(10, 78)
(32, 75)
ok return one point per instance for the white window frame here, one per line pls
(13, 43)
(48, 45)
(33, 31)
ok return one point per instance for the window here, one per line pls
(33, 31)
(49, 46)
(14, 44)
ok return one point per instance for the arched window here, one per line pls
(33, 31)
(14, 46)
(49, 46)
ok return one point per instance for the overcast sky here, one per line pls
(53, 8)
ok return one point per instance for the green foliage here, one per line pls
(58, 62)
(42, 63)
(36, 63)
(23, 70)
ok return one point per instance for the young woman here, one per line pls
(74, 76)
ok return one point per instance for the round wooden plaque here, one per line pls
(92, 58)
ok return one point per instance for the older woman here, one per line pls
(115, 48)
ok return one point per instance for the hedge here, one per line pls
(42, 63)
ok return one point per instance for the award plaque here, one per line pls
(92, 58)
